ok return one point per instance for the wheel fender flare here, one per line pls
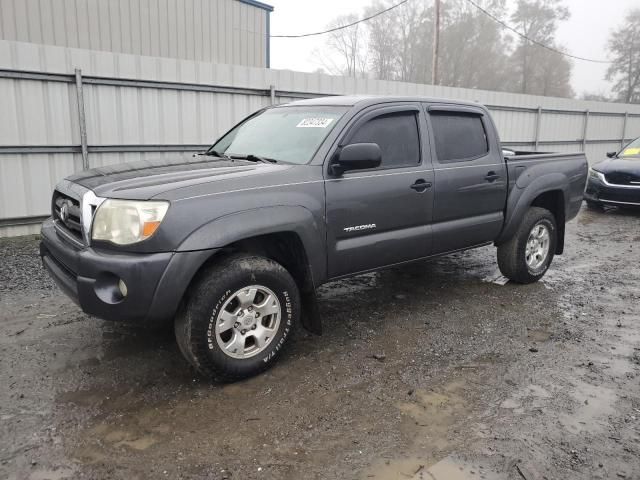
(522, 196)
(231, 228)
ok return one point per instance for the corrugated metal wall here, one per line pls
(217, 31)
(139, 107)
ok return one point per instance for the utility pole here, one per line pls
(525, 72)
(436, 44)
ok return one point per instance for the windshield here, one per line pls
(287, 134)
(631, 150)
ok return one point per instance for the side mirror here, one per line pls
(611, 154)
(357, 156)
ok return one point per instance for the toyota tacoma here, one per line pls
(230, 245)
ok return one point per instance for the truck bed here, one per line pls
(566, 171)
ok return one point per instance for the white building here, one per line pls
(218, 31)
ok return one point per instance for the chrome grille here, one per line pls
(622, 178)
(67, 212)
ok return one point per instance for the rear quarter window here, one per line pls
(458, 136)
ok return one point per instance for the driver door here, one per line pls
(382, 216)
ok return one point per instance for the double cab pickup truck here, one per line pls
(230, 245)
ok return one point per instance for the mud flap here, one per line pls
(560, 241)
(311, 320)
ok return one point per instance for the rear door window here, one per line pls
(397, 136)
(458, 136)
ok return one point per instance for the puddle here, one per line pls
(453, 467)
(497, 278)
(62, 473)
(538, 335)
(83, 398)
(596, 403)
(137, 444)
(486, 360)
(428, 426)
(105, 436)
(456, 468)
(527, 399)
(397, 469)
(435, 412)
(428, 422)
(358, 284)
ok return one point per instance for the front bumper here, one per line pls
(610, 194)
(155, 282)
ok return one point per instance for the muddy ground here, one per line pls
(472, 379)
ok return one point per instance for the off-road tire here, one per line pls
(194, 324)
(511, 255)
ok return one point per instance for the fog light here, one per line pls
(122, 287)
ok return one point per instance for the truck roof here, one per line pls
(364, 100)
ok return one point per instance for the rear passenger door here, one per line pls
(470, 177)
(381, 216)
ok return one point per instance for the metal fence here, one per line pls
(64, 110)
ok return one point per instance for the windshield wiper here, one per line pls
(254, 158)
(213, 153)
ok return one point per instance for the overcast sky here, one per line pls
(584, 34)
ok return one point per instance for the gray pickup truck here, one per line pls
(231, 244)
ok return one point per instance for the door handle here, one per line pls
(491, 176)
(421, 185)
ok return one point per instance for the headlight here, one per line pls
(127, 221)
(594, 174)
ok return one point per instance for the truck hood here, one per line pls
(147, 179)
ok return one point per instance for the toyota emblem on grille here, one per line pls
(64, 212)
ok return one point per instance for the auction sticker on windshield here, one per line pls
(315, 122)
(628, 152)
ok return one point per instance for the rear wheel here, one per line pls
(526, 257)
(238, 317)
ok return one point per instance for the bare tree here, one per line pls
(473, 48)
(550, 74)
(624, 45)
(383, 42)
(410, 22)
(538, 20)
(349, 46)
(474, 51)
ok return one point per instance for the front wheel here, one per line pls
(238, 316)
(526, 257)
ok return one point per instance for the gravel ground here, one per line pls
(21, 267)
(425, 371)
